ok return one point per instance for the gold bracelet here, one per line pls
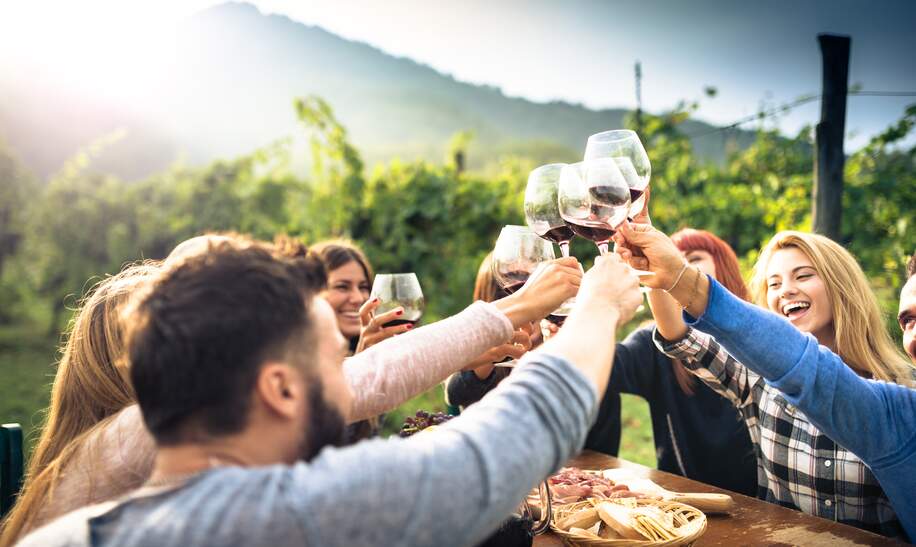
(679, 276)
(696, 284)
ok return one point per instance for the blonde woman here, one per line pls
(819, 288)
(90, 388)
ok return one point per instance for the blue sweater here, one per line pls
(876, 420)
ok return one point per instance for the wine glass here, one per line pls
(399, 290)
(517, 254)
(541, 211)
(543, 217)
(625, 147)
(594, 198)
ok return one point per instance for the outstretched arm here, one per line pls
(393, 371)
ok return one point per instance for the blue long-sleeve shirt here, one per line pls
(874, 419)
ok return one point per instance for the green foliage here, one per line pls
(26, 363)
(16, 188)
(418, 216)
(423, 217)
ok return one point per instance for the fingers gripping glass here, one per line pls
(399, 290)
(517, 254)
(594, 198)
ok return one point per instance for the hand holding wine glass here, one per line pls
(373, 328)
(610, 282)
(542, 214)
(524, 264)
(661, 255)
(512, 350)
(395, 305)
(517, 253)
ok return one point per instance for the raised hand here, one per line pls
(373, 329)
(547, 288)
(642, 218)
(610, 283)
(660, 255)
(514, 349)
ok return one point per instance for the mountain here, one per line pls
(230, 90)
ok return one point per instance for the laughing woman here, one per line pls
(349, 283)
(818, 286)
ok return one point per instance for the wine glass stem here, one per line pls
(602, 248)
(564, 248)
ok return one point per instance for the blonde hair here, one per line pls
(92, 384)
(861, 339)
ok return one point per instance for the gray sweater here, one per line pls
(449, 487)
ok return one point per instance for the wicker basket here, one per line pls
(689, 513)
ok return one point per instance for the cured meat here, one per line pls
(572, 484)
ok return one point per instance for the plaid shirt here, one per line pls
(797, 465)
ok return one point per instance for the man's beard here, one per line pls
(325, 424)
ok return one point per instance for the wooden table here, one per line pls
(752, 522)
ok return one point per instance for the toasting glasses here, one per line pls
(593, 198)
(627, 150)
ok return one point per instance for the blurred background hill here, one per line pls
(228, 87)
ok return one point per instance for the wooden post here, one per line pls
(458, 159)
(827, 199)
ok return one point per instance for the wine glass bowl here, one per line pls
(593, 198)
(516, 255)
(624, 146)
(541, 212)
(399, 290)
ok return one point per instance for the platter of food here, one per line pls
(629, 521)
(571, 485)
(619, 507)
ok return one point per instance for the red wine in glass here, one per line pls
(556, 319)
(611, 196)
(591, 233)
(558, 234)
(513, 281)
(512, 287)
(634, 195)
(396, 322)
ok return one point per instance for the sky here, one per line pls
(756, 54)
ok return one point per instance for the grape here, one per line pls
(421, 420)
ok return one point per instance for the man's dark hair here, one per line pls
(911, 267)
(198, 336)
